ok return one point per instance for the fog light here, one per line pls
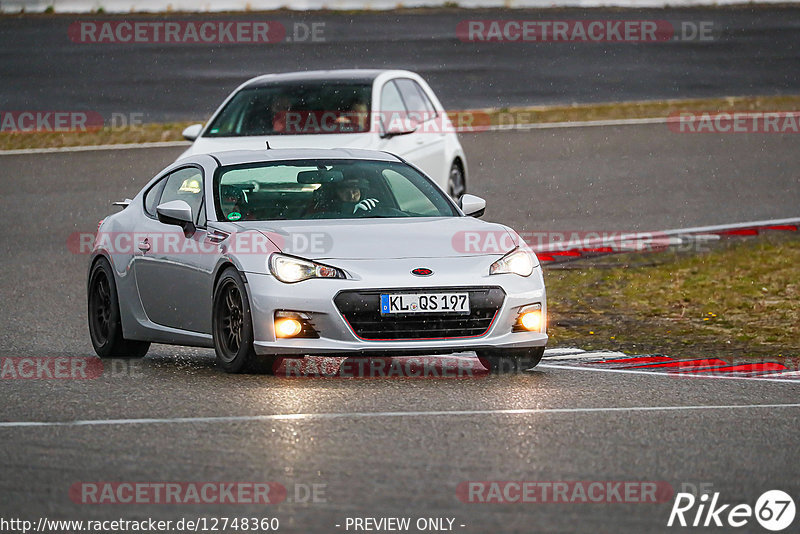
(294, 324)
(531, 320)
(287, 327)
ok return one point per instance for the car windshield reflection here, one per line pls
(335, 189)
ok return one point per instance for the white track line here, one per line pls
(577, 124)
(562, 351)
(582, 124)
(674, 375)
(494, 128)
(89, 148)
(167, 144)
(785, 374)
(645, 237)
(354, 415)
(567, 350)
(585, 356)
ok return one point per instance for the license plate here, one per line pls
(425, 303)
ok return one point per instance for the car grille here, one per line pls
(361, 309)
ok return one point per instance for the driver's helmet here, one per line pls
(233, 201)
(352, 189)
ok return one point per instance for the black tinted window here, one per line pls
(295, 109)
(327, 189)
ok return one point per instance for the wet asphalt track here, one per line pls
(752, 51)
(393, 453)
(384, 447)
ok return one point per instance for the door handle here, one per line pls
(144, 246)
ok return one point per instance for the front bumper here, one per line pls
(337, 337)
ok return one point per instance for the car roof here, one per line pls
(337, 75)
(238, 157)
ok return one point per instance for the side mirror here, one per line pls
(472, 205)
(176, 212)
(192, 132)
(395, 129)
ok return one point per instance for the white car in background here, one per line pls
(393, 111)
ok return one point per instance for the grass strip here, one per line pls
(740, 298)
(155, 132)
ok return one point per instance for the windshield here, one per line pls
(295, 109)
(326, 189)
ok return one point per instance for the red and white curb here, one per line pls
(659, 364)
(573, 249)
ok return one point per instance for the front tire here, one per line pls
(233, 328)
(105, 324)
(512, 361)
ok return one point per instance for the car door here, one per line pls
(424, 147)
(174, 268)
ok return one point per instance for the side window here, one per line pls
(409, 198)
(187, 185)
(426, 99)
(415, 98)
(152, 196)
(390, 99)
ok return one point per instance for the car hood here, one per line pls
(216, 144)
(429, 237)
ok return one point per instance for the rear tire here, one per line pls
(233, 328)
(512, 361)
(105, 324)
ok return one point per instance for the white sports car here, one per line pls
(270, 254)
(390, 110)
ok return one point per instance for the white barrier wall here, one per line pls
(128, 6)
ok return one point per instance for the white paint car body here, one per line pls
(432, 147)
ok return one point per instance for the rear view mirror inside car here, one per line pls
(319, 177)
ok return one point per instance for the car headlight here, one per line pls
(289, 269)
(518, 261)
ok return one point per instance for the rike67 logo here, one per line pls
(774, 510)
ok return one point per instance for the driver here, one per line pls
(349, 196)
